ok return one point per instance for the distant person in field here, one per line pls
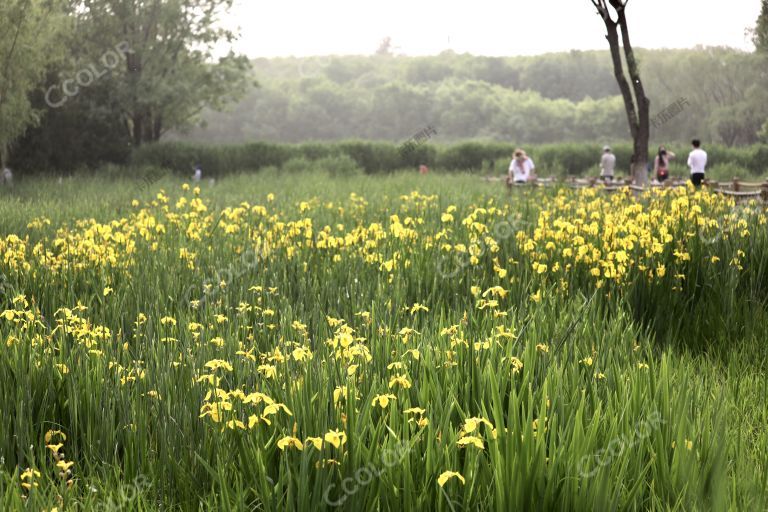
(423, 169)
(607, 164)
(697, 161)
(661, 164)
(7, 177)
(198, 173)
(520, 169)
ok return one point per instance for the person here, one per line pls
(520, 168)
(607, 164)
(661, 164)
(198, 173)
(7, 177)
(423, 169)
(697, 161)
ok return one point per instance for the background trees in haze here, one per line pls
(559, 97)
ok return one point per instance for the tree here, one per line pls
(637, 106)
(27, 31)
(760, 33)
(169, 74)
(760, 38)
(385, 47)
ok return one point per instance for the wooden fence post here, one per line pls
(736, 185)
(764, 193)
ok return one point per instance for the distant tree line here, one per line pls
(551, 98)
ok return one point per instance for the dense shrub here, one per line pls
(566, 159)
(464, 156)
(215, 160)
(374, 157)
(335, 165)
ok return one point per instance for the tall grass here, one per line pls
(629, 394)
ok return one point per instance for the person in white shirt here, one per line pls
(607, 164)
(697, 161)
(520, 168)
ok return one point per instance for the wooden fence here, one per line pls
(741, 190)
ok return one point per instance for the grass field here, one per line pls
(390, 343)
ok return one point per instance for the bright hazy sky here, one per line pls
(480, 27)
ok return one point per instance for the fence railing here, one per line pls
(735, 187)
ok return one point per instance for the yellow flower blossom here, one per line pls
(447, 475)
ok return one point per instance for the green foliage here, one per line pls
(28, 33)
(519, 100)
(168, 72)
(73, 136)
(668, 414)
(215, 160)
(579, 159)
(335, 166)
(760, 35)
(471, 155)
(561, 160)
(371, 156)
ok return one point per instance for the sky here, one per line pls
(480, 27)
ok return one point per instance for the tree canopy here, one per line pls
(569, 96)
(28, 31)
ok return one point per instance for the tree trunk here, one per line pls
(157, 128)
(138, 115)
(137, 137)
(638, 106)
(642, 134)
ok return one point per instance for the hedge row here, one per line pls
(378, 157)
